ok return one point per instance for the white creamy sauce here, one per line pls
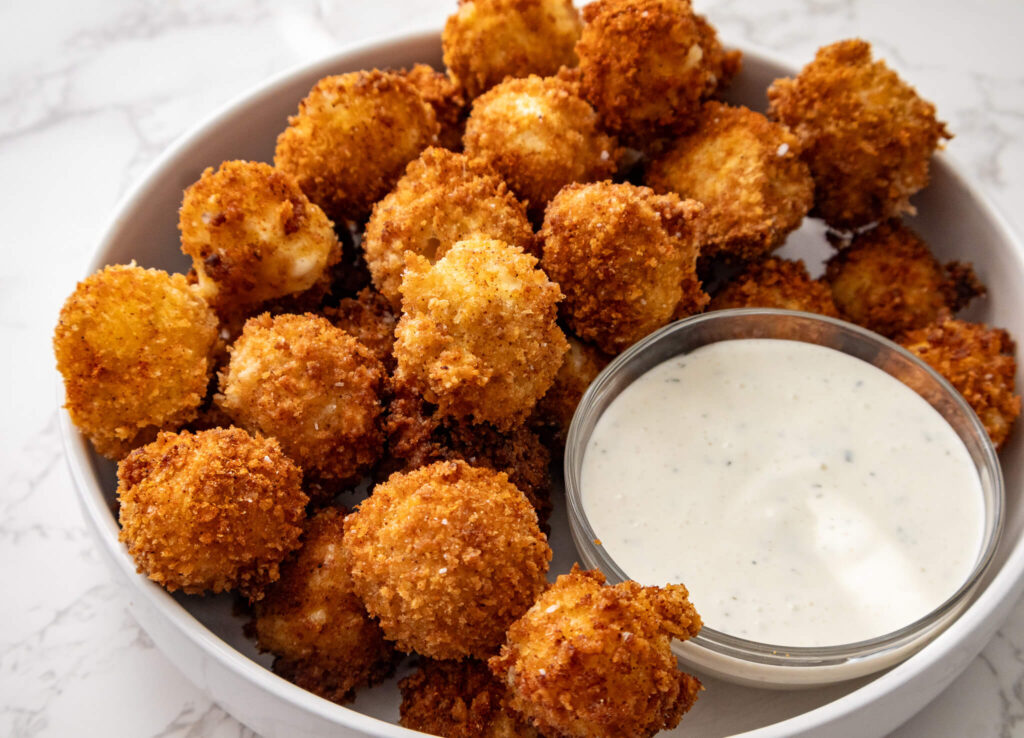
(803, 496)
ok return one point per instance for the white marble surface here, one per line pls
(92, 90)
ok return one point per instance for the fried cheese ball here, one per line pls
(254, 236)
(212, 511)
(621, 254)
(448, 102)
(478, 336)
(647, 65)
(747, 173)
(446, 557)
(590, 661)
(554, 411)
(776, 283)
(352, 137)
(539, 135)
(887, 280)
(314, 624)
(486, 41)
(979, 362)
(135, 348)
(864, 132)
(369, 318)
(311, 386)
(459, 699)
(442, 199)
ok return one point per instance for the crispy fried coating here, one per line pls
(478, 336)
(979, 362)
(215, 510)
(311, 386)
(747, 173)
(254, 236)
(443, 198)
(887, 280)
(446, 557)
(647, 65)
(447, 100)
(369, 318)
(135, 348)
(591, 660)
(621, 254)
(313, 623)
(540, 135)
(554, 411)
(486, 41)
(865, 133)
(352, 137)
(776, 283)
(458, 699)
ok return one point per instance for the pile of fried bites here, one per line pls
(419, 290)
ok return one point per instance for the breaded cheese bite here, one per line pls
(776, 283)
(886, 279)
(540, 135)
(622, 255)
(865, 133)
(478, 336)
(352, 138)
(311, 386)
(446, 557)
(370, 319)
(486, 41)
(135, 348)
(212, 511)
(647, 65)
(747, 173)
(447, 100)
(593, 661)
(979, 362)
(554, 411)
(443, 198)
(254, 236)
(313, 623)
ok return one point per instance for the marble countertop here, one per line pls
(92, 91)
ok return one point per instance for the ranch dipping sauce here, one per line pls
(803, 496)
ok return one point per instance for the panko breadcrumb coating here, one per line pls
(593, 661)
(446, 557)
(314, 624)
(864, 132)
(747, 173)
(311, 386)
(352, 137)
(647, 65)
(621, 255)
(369, 318)
(211, 511)
(448, 102)
(887, 280)
(254, 236)
(539, 135)
(555, 409)
(776, 283)
(443, 198)
(478, 336)
(458, 699)
(486, 41)
(135, 348)
(979, 362)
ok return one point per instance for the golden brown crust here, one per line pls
(591, 661)
(776, 283)
(540, 135)
(216, 510)
(448, 102)
(977, 360)
(486, 41)
(478, 336)
(446, 557)
(369, 318)
(746, 171)
(555, 409)
(135, 348)
(314, 624)
(352, 138)
(864, 132)
(622, 255)
(442, 199)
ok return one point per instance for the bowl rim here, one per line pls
(988, 610)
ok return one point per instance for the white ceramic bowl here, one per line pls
(203, 638)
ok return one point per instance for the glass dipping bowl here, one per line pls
(746, 661)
